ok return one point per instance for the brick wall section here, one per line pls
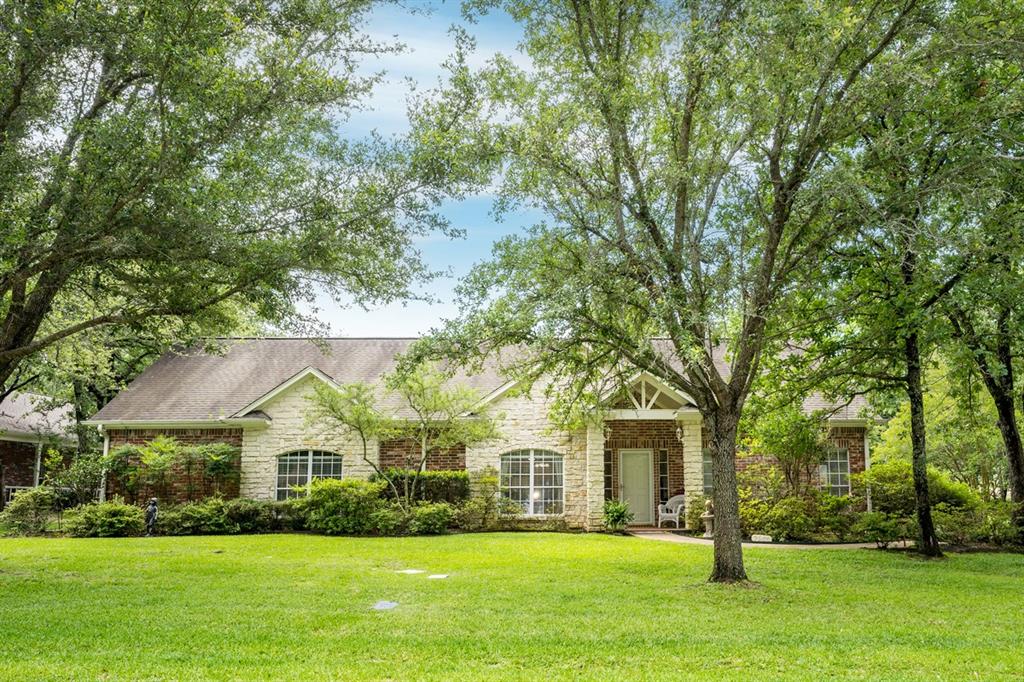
(647, 434)
(405, 453)
(850, 437)
(177, 489)
(17, 464)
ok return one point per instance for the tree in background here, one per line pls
(688, 157)
(427, 408)
(798, 441)
(963, 438)
(160, 159)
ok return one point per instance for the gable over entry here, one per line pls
(650, 393)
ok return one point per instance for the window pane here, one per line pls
(534, 480)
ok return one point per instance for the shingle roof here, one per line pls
(196, 384)
(28, 414)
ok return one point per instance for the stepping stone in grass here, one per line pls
(410, 571)
(437, 576)
(384, 605)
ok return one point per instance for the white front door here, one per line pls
(637, 484)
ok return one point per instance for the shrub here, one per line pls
(342, 507)
(29, 511)
(996, 523)
(76, 481)
(694, 508)
(882, 528)
(290, 513)
(892, 488)
(835, 515)
(452, 487)
(113, 519)
(431, 518)
(791, 519)
(480, 511)
(753, 511)
(252, 516)
(389, 520)
(617, 515)
(208, 517)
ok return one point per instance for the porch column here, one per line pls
(39, 464)
(693, 458)
(595, 477)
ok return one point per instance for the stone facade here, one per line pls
(289, 431)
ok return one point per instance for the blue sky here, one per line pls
(428, 44)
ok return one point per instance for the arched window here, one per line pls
(533, 479)
(299, 468)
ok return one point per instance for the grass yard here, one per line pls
(515, 606)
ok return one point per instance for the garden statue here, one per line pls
(708, 517)
(151, 514)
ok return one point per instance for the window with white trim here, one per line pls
(835, 471)
(534, 480)
(663, 476)
(709, 480)
(301, 467)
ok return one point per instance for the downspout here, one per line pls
(867, 463)
(103, 473)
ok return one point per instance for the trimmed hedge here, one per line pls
(431, 486)
(105, 520)
(342, 507)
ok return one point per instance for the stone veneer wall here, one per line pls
(401, 452)
(177, 490)
(526, 425)
(289, 431)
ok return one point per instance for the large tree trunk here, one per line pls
(928, 542)
(728, 567)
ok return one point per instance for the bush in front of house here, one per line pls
(892, 489)
(792, 519)
(990, 523)
(342, 507)
(29, 511)
(881, 528)
(694, 508)
(112, 519)
(208, 517)
(431, 518)
(253, 516)
(452, 487)
(617, 515)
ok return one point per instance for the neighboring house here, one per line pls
(254, 394)
(27, 429)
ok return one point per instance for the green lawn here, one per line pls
(515, 606)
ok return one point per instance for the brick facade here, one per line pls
(404, 453)
(17, 465)
(656, 435)
(179, 483)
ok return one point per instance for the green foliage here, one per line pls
(228, 131)
(892, 488)
(431, 518)
(694, 508)
(155, 465)
(208, 517)
(960, 426)
(835, 515)
(990, 523)
(482, 510)
(76, 481)
(342, 507)
(389, 520)
(252, 516)
(799, 442)
(220, 464)
(112, 519)
(753, 510)
(29, 511)
(617, 515)
(123, 465)
(883, 529)
(791, 519)
(452, 487)
(156, 458)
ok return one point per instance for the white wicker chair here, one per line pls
(671, 509)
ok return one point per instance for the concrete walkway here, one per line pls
(665, 536)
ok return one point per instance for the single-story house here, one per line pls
(253, 393)
(28, 426)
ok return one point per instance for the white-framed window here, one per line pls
(835, 471)
(300, 467)
(534, 479)
(709, 481)
(663, 476)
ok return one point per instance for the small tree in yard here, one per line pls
(797, 441)
(431, 414)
